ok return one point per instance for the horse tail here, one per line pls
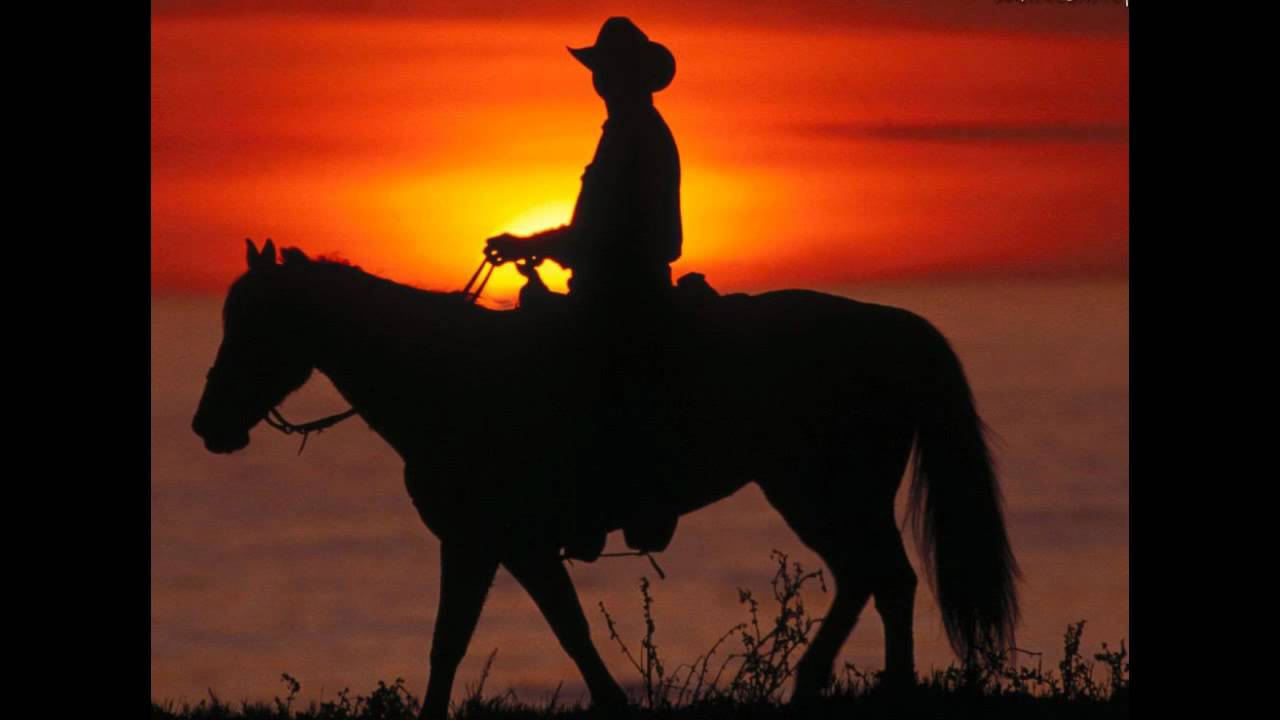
(955, 508)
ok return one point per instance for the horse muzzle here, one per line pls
(226, 446)
(221, 443)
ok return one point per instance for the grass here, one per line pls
(751, 680)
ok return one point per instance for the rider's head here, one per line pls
(625, 63)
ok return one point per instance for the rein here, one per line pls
(471, 297)
(466, 291)
(277, 421)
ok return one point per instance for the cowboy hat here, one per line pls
(623, 47)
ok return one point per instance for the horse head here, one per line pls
(263, 357)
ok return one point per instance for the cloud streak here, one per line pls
(1108, 17)
(972, 132)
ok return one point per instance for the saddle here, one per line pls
(691, 291)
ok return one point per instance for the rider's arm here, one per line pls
(556, 244)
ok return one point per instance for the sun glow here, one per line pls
(403, 145)
(437, 224)
(537, 219)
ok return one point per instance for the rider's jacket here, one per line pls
(626, 224)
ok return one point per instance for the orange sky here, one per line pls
(823, 142)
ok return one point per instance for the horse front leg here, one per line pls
(465, 577)
(549, 584)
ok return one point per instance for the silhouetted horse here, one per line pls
(816, 398)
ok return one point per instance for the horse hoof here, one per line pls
(807, 691)
(611, 705)
(897, 681)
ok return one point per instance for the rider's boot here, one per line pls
(650, 529)
(586, 544)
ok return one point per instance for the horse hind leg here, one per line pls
(851, 525)
(813, 672)
(871, 563)
(895, 599)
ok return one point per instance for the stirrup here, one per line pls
(586, 547)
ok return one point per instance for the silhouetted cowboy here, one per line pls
(626, 225)
(624, 234)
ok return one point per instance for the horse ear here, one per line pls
(269, 253)
(251, 255)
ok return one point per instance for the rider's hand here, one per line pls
(501, 248)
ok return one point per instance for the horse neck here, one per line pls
(368, 334)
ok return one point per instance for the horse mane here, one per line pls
(357, 278)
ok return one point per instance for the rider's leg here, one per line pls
(591, 444)
(588, 533)
(653, 432)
